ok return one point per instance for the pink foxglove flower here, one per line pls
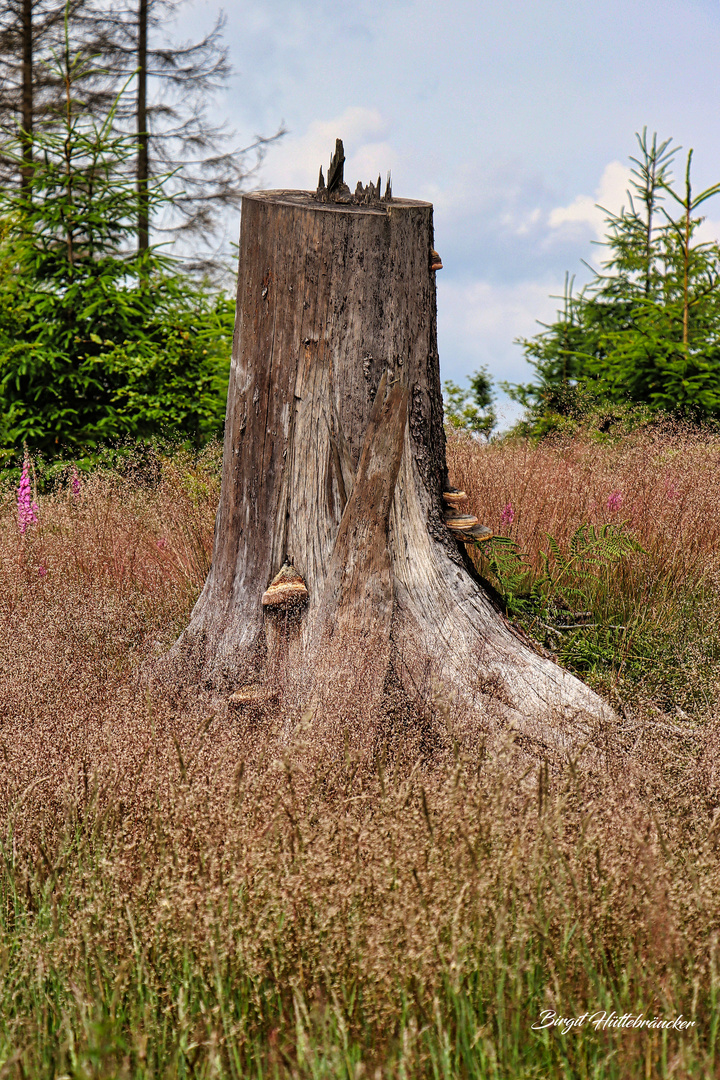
(615, 501)
(508, 515)
(27, 509)
(75, 483)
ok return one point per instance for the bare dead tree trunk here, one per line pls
(334, 462)
(142, 131)
(27, 96)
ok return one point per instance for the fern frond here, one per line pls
(579, 541)
(554, 547)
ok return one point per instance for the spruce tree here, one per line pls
(97, 340)
(165, 113)
(471, 409)
(646, 330)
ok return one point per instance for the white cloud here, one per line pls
(478, 322)
(484, 312)
(294, 162)
(585, 210)
(502, 194)
(531, 219)
(708, 232)
(612, 194)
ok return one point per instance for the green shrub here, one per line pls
(646, 330)
(98, 341)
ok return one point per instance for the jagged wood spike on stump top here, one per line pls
(337, 164)
(337, 191)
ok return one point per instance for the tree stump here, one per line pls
(334, 468)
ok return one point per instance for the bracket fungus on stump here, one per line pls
(335, 488)
(286, 590)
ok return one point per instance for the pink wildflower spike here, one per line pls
(615, 501)
(42, 571)
(27, 509)
(671, 492)
(508, 515)
(75, 483)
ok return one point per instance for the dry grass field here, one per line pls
(183, 894)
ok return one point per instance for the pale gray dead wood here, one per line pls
(337, 191)
(351, 647)
(334, 462)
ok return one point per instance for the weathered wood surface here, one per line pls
(351, 648)
(335, 460)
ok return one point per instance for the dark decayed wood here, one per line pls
(334, 463)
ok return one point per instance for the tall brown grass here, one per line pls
(668, 478)
(183, 894)
(663, 483)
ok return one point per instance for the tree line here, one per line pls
(645, 331)
(106, 157)
(164, 111)
(643, 336)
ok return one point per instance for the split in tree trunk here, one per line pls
(334, 463)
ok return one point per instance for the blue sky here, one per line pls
(514, 118)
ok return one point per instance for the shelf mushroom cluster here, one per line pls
(465, 527)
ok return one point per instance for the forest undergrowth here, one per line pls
(184, 895)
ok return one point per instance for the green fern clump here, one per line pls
(599, 605)
(590, 549)
(561, 604)
(567, 577)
